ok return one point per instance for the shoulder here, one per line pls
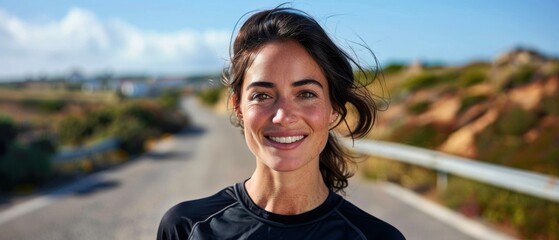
(179, 219)
(371, 226)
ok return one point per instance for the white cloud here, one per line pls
(81, 40)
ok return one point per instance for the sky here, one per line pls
(176, 37)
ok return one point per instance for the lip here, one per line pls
(289, 137)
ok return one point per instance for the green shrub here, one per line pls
(472, 77)
(422, 80)
(135, 122)
(468, 101)
(54, 105)
(47, 106)
(132, 122)
(154, 116)
(516, 121)
(44, 145)
(393, 68)
(411, 176)
(170, 99)
(550, 105)
(8, 132)
(26, 164)
(210, 96)
(418, 107)
(74, 130)
(99, 120)
(132, 132)
(449, 77)
(428, 136)
(494, 147)
(13, 169)
(173, 122)
(522, 75)
(540, 154)
(553, 71)
(383, 169)
(21, 163)
(141, 111)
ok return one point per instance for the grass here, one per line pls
(525, 216)
(426, 136)
(17, 95)
(419, 107)
(469, 101)
(44, 106)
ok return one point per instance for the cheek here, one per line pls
(254, 117)
(318, 119)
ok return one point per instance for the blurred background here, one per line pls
(86, 86)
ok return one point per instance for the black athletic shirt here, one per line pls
(231, 214)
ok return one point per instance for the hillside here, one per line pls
(504, 112)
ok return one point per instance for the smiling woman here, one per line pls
(289, 87)
(285, 98)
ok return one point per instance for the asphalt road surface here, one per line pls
(128, 201)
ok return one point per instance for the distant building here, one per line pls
(76, 76)
(166, 83)
(135, 89)
(92, 86)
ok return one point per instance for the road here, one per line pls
(127, 202)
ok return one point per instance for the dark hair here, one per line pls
(281, 24)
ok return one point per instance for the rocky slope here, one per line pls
(504, 112)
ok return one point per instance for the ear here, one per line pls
(333, 116)
(236, 107)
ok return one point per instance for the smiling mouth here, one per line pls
(290, 139)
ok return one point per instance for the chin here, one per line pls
(287, 164)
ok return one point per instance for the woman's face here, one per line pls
(285, 107)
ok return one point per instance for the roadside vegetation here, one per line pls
(504, 112)
(37, 123)
(212, 96)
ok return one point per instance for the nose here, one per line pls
(284, 114)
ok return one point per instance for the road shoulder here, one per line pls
(470, 227)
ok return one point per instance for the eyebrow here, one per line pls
(295, 84)
(306, 82)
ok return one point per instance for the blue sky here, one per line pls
(178, 37)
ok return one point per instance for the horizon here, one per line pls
(166, 38)
(120, 75)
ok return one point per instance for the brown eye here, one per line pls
(307, 94)
(260, 96)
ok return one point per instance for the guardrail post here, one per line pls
(442, 181)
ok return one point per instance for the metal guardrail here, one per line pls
(535, 184)
(86, 151)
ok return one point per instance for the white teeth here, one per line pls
(287, 139)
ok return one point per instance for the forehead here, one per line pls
(283, 60)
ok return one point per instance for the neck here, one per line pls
(287, 193)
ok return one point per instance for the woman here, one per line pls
(289, 87)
